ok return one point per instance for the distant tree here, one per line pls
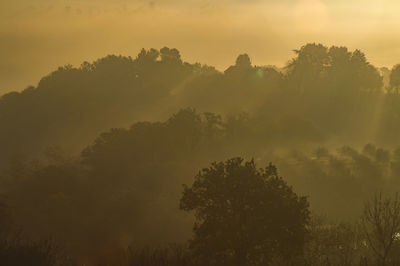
(339, 69)
(306, 70)
(244, 215)
(147, 56)
(385, 73)
(241, 67)
(170, 55)
(243, 61)
(363, 74)
(395, 78)
(317, 67)
(381, 225)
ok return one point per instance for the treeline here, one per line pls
(323, 94)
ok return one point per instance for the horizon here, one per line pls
(51, 34)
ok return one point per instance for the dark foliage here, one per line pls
(244, 215)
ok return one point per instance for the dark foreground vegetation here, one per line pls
(243, 216)
(92, 162)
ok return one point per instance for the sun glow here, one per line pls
(310, 15)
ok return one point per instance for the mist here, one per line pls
(199, 133)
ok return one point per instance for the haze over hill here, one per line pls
(199, 133)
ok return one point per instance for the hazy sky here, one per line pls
(37, 36)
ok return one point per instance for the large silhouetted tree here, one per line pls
(244, 215)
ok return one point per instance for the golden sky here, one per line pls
(37, 36)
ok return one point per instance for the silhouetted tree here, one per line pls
(241, 68)
(170, 55)
(317, 67)
(147, 56)
(306, 71)
(244, 215)
(243, 61)
(395, 78)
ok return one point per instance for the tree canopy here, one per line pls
(244, 215)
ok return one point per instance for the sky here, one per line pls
(37, 36)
